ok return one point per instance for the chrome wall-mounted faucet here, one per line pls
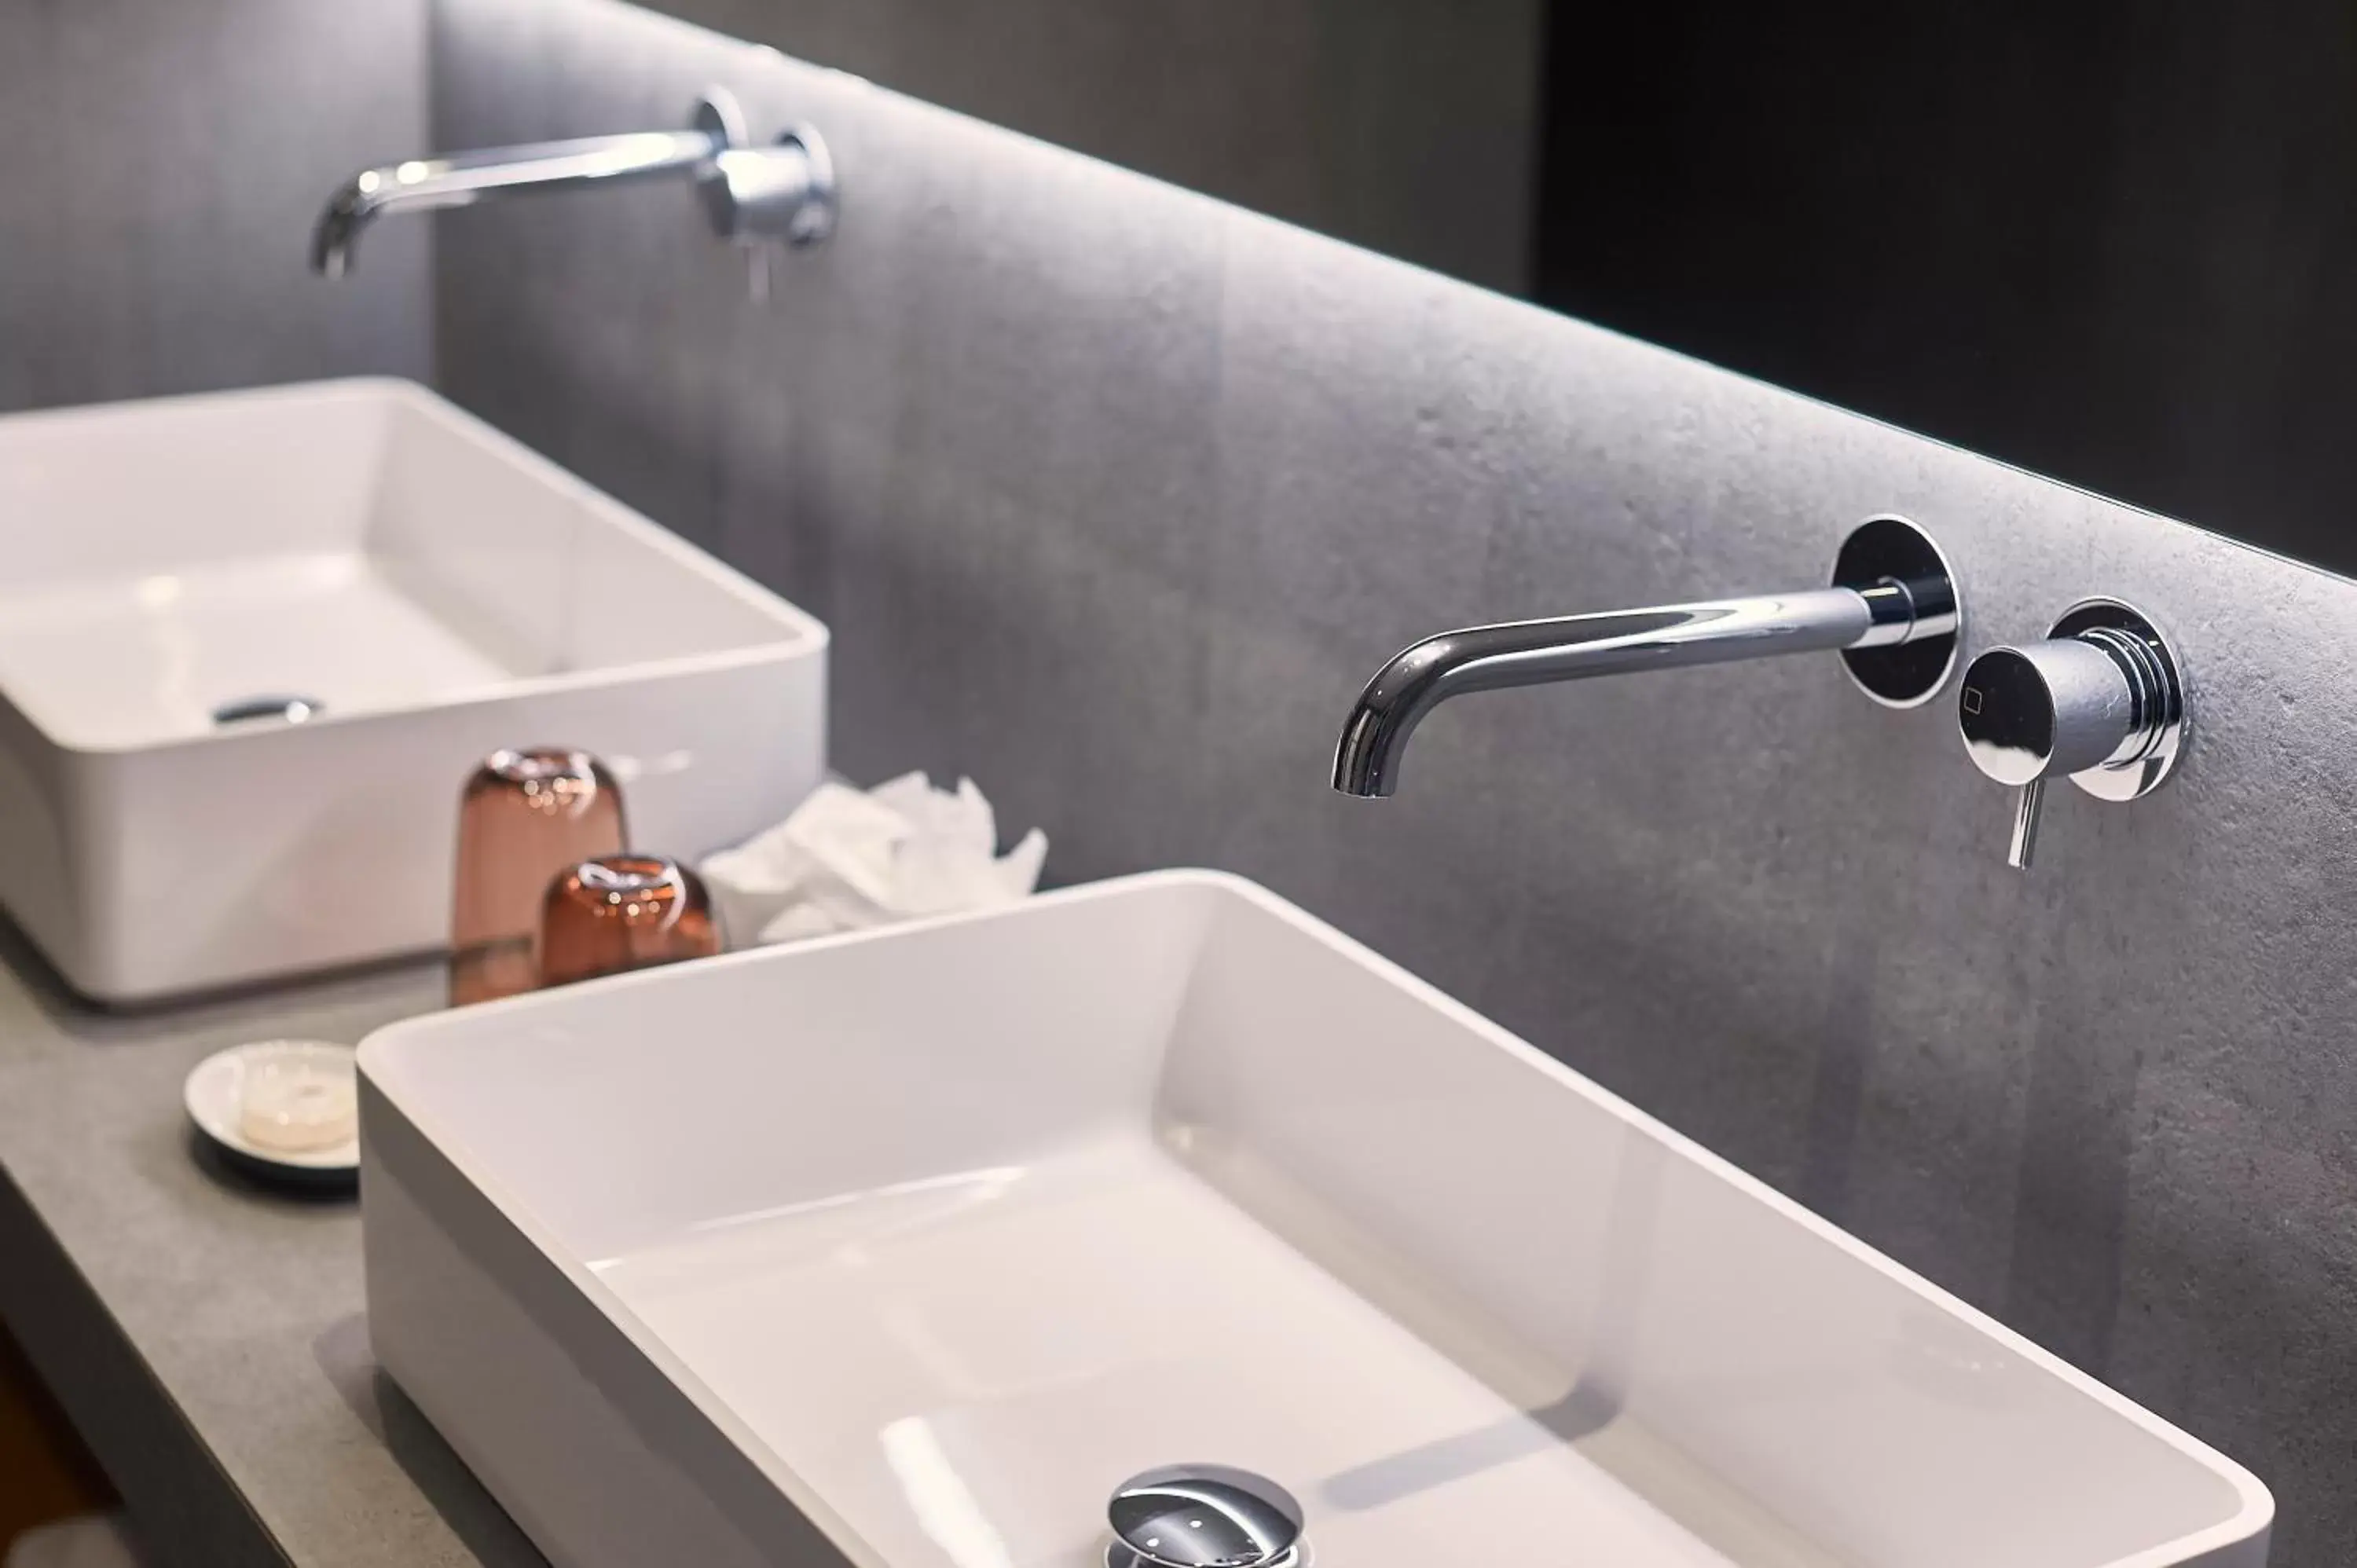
(1892, 613)
(2101, 700)
(764, 199)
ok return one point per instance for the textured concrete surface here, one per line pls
(204, 1336)
(166, 161)
(1411, 126)
(1113, 497)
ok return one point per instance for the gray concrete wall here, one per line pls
(1114, 496)
(165, 161)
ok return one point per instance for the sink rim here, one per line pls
(798, 634)
(379, 1072)
(564, 615)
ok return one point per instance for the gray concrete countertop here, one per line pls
(206, 1336)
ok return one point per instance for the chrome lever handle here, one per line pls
(2101, 700)
(2026, 807)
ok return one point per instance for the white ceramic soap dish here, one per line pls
(280, 1111)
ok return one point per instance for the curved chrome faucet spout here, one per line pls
(422, 185)
(763, 198)
(1893, 589)
(1573, 648)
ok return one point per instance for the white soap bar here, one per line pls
(294, 1106)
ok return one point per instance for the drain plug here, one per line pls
(1204, 1515)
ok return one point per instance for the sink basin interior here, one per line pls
(359, 545)
(952, 1228)
(966, 1364)
(135, 660)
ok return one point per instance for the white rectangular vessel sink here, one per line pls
(904, 1250)
(430, 589)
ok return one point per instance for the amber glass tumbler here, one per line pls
(526, 817)
(623, 911)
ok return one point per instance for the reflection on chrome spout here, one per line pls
(461, 179)
(780, 195)
(1892, 593)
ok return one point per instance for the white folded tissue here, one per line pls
(848, 860)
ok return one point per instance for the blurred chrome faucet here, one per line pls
(766, 197)
(1892, 614)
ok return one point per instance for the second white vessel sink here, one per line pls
(904, 1250)
(180, 570)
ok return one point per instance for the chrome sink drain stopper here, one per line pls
(1204, 1515)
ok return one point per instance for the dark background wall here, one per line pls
(2114, 241)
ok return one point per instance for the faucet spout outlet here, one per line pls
(1892, 613)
